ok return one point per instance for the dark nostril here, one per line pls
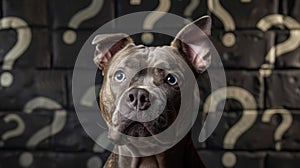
(143, 98)
(131, 97)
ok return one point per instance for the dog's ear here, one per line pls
(107, 45)
(194, 44)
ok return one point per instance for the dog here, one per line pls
(133, 84)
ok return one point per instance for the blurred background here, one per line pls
(258, 41)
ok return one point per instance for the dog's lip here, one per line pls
(134, 123)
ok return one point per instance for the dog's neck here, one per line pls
(183, 154)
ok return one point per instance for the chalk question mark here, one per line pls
(190, 8)
(15, 132)
(58, 123)
(23, 41)
(216, 8)
(287, 120)
(246, 121)
(152, 18)
(289, 45)
(69, 36)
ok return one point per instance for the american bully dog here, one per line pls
(139, 80)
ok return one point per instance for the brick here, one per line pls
(290, 139)
(64, 55)
(8, 159)
(34, 12)
(252, 138)
(72, 137)
(29, 84)
(244, 159)
(290, 8)
(31, 123)
(283, 88)
(290, 58)
(62, 17)
(36, 55)
(249, 139)
(249, 81)
(248, 52)
(282, 159)
(246, 15)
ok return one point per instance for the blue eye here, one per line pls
(172, 80)
(119, 76)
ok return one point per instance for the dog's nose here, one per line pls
(138, 99)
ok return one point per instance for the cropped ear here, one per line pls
(194, 44)
(107, 45)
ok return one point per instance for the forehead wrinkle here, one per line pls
(136, 59)
(163, 57)
(129, 57)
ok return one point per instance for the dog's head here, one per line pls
(140, 94)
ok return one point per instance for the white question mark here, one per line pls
(190, 8)
(287, 46)
(152, 18)
(135, 2)
(287, 120)
(216, 8)
(23, 41)
(15, 132)
(246, 121)
(70, 36)
(56, 126)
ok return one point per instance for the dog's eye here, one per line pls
(119, 76)
(172, 80)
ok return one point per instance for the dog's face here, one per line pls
(140, 94)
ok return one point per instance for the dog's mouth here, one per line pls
(125, 127)
(128, 128)
(137, 129)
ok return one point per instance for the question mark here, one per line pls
(289, 45)
(246, 121)
(69, 36)
(216, 8)
(23, 41)
(190, 8)
(58, 123)
(152, 18)
(17, 131)
(287, 120)
(135, 2)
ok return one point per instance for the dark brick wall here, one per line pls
(262, 61)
